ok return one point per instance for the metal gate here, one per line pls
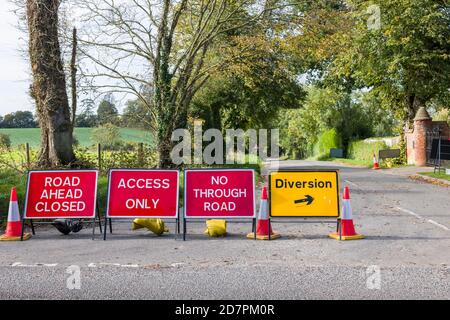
(432, 133)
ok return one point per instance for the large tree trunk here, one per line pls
(49, 83)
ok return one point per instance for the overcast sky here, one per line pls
(14, 75)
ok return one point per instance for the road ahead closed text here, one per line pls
(219, 193)
(61, 194)
(304, 194)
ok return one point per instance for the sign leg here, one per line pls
(23, 228)
(270, 227)
(100, 224)
(104, 230)
(93, 228)
(184, 229)
(254, 228)
(32, 227)
(99, 218)
(110, 225)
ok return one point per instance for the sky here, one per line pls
(14, 74)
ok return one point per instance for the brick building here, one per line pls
(419, 139)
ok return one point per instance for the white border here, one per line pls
(61, 217)
(134, 217)
(185, 215)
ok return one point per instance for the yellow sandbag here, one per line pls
(216, 228)
(154, 225)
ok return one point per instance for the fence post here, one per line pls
(141, 154)
(99, 156)
(27, 155)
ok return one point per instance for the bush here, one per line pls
(363, 150)
(5, 141)
(327, 140)
(108, 136)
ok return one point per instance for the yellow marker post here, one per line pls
(304, 193)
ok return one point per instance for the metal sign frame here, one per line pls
(96, 212)
(176, 217)
(186, 217)
(336, 171)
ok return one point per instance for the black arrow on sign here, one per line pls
(308, 199)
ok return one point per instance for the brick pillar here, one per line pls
(422, 122)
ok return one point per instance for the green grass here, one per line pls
(83, 135)
(442, 176)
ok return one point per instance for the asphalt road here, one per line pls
(405, 255)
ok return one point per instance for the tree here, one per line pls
(171, 39)
(136, 115)
(353, 116)
(48, 87)
(249, 91)
(87, 117)
(86, 120)
(405, 60)
(18, 119)
(107, 111)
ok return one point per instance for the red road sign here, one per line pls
(61, 194)
(142, 193)
(219, 193)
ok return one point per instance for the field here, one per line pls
(83, 135)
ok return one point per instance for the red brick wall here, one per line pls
(420, 140)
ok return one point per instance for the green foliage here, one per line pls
(136, 115)
(18, 119)
(363, 150)
(107, 136)
(327, 140)
(406, 60)
(9, 179)
(129, 156)
(442, 115)
(255, 83)
(107, 111)
(353, 116)
(5, 141)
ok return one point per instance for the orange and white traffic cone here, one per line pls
(346, 229)
(263, 227)
(14, 225)
(376, 166)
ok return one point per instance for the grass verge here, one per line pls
(442, 176)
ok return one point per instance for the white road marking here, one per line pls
(410, 212)
(438, 224)
(130, 265)
(20, 264)
(351, 183)
(421, 218)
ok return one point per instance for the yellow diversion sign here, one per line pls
(304, 193)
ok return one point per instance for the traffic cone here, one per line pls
(14, 225)
(346, 230)
(376, 166)
(263, 226)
